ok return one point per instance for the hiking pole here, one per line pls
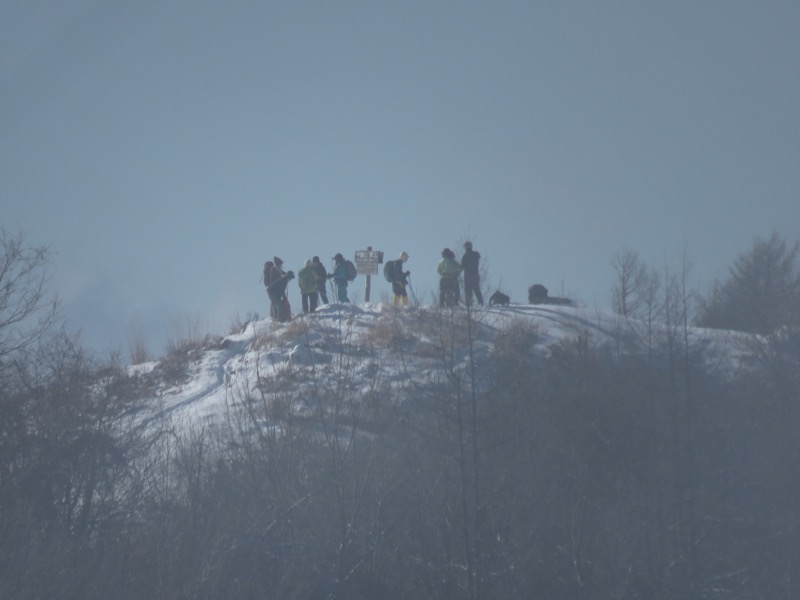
(411, 289)
(334, 296)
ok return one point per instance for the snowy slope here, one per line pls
(373, 346)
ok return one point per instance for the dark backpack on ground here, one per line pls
(537, 294)
(351, 270)
(499, 298)
(388, 271)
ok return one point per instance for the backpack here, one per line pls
(388, 271)
(268, 272)
(537, 294)
(351, 270)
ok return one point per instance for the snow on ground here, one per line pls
(378, 345)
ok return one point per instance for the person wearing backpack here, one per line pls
(277, 270)
(322, 278)
(448, 270)
(394, 274)
(341, 277)
(273, 271)
(307, 280)
(267, 275)
(277, 295)
(472, 280)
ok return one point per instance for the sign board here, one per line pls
(367, 261)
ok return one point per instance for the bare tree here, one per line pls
(26, 309)
(632, 295)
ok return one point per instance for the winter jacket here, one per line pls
(397, 272)
(322, 274)
(267, 276)
(277, 289)
(307, 280)
(470, 262)
(448, 267)
(340, 274)
(275, 274)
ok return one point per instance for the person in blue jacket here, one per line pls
(339, 276)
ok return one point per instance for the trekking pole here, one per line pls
(411, 289)
(334, 296)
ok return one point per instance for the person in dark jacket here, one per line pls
(470, 262)
(400, 280)
(277, 295)
(340, 279)
(277, 270)
(267, 276)
(274, 274)
(322, 278)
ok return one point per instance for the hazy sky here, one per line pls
(165, 149)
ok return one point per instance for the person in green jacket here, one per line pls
(448, 270)
(307, 280)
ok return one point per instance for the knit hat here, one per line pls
(403, 256)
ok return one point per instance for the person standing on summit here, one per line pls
(322, 278)
(275, 273)
(448, 270)
(399, 279)
(307, 280)
(340, 278)
(470, 262)
(277, 294)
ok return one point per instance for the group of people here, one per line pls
(313, 277)
(449, 269)
(309, 277)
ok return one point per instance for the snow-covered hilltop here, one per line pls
(370, 347)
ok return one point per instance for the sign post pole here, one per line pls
(367, 262)
(367, 285)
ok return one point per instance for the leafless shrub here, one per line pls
(239, 325)
(185, 335)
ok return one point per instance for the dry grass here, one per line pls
(387, 333)
(518, 338)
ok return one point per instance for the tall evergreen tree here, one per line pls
(761, 293)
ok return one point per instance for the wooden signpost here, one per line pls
(367, 262)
